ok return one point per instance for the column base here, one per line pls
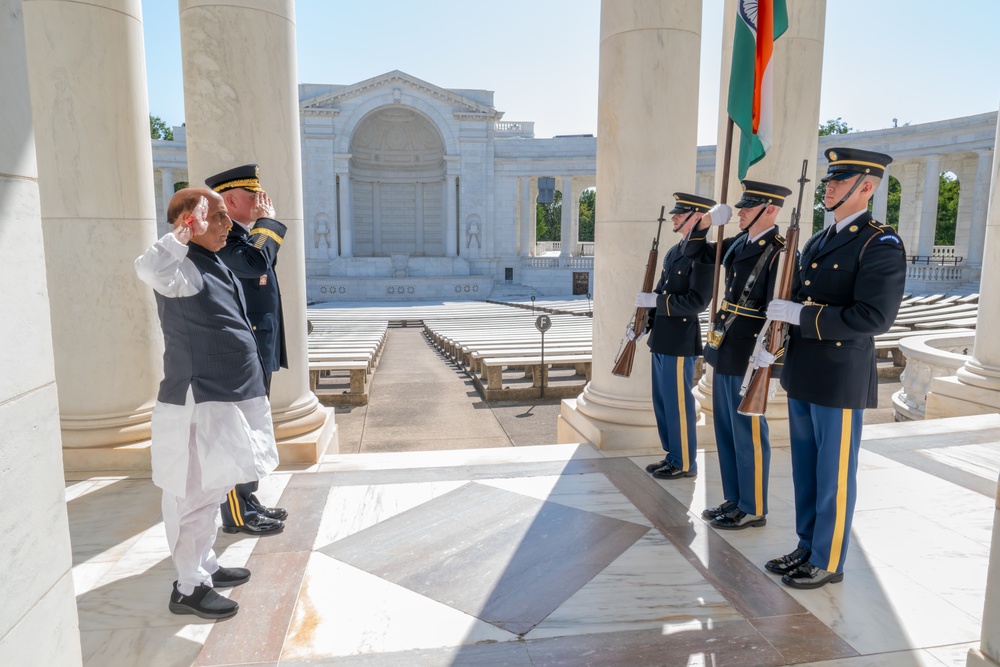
(574, 426)
(950, 397)
(303, 449)
(976, 658)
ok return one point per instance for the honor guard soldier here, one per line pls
(847, 289)
(750, 261)
(251, 253)
(683, 291)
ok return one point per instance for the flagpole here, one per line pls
(722, 200)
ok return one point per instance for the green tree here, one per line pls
(892, 203)
(159, 130)
(548, 219)
(832, 126)
(587, 202)
(947, 212)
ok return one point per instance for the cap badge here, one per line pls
(833, 155)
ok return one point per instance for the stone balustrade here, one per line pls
(928, 357)
(506, 128)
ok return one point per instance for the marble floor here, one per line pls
(554, 555)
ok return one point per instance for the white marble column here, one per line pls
(166, 192)
(981, 197)
(419, 218)
(928, 207)
(880, 201)
(86, 65)
(345, 221)
(35, 549)
(988, 652)
(376, 219)
(798, 68)
(908, 174)
(526, 216)
(451, 211)
(964, 169)
(241, 104)
(646, 149)
(566, 215)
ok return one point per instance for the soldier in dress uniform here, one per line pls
(847, 289)
(683, 291)
(750, 260)
(251, 252)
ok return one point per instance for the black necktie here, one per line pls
(828, 236)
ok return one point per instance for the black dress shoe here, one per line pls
(809, 576)
(712, 512)
(737, 519)
(653, 467)
(227, 577)
(270, 512)
(788, 562)
(257, 525)
(204, 602)
(670, 471)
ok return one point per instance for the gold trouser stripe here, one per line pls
(758, 467)
(682, 411)
(265, 232)
(234, 507)
(837, 540)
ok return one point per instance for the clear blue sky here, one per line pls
(915, 60)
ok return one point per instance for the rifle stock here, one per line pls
(755, 399)
(623, 363)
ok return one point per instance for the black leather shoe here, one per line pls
(671, 471)
(788, 562)
(712, 512)
(653, 467)
(227, 577)
(270, 512)
(737, 519)
(203, 602)
(257, 525)
(809, 576)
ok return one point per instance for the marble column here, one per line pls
(526, 216)
(39, 600)
(566, 219)
(928, 207)
(86, 65)
(241, 105)
(345, 221)
(988, 652)
(909, 204)
(798, 68)
(166, 193)
(376, 219)
(965, 170)
(981, 197)
(880, 201)
(451, 211)
(646, 149)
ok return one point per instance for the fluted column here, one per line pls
(35, 552)
(928, 207)
(345, 221)
(241, 104)
(526, 216)
(451, 211)
(86, 65)
(565, 220)
(980, 207)
(646, 149)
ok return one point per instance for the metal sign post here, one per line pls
(543, 324)
(533, 305)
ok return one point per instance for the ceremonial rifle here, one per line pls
(756, 382)
(626, 351)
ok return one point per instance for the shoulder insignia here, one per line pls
(891, 238)
(780, 240)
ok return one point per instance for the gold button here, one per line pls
(755, 335)
(761, 242)
(255, 328)
(853, 228)
(836, 266)
(838, 343)
(808, 282)
(814, 265)
(678, 273)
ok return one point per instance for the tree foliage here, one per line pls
(159, 130)
(947, 211)
(588, 201)
(548, 219)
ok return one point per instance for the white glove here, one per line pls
(772, 388)
(645, 300)
(630, 335)
(763, 359)
(720, 214)
(780, 310)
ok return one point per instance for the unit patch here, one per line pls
(890, 237)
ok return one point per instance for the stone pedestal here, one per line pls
(38, 601)
(646, 150)
(88, 93)
(241, 105)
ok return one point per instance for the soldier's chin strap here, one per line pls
(757, 217)
(845, 197)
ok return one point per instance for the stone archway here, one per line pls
(397, 172)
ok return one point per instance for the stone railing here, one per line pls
(541, 262)
(542, 247)
(585, 249)
(928, 357)
(507, 128)
(579, 263)
(943, 252)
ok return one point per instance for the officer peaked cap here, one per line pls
(246, 177)
(756, 193)
(686, 203)
(847, 162)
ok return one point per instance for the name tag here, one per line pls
(263, 280)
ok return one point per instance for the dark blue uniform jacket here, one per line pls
(684, 289)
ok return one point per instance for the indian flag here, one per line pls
(759, 23)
